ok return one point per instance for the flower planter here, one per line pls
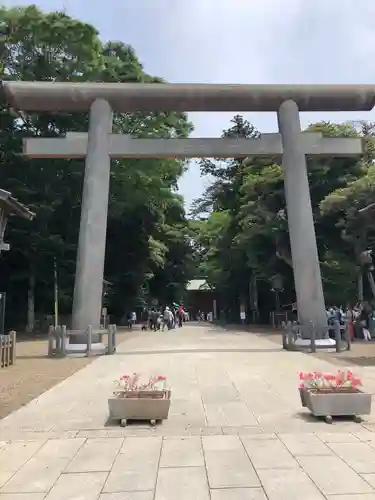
(337, 403)
(140, 405)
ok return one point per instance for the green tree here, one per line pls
(252, 237)
(54, 47)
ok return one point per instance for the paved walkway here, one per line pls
(236, 429)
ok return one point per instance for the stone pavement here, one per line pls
(236, 429)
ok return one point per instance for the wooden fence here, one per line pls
(7, 349)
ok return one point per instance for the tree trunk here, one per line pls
(31, 303)
(360, 284)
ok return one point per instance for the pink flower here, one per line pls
(302, 385)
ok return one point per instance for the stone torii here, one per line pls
(100, 144)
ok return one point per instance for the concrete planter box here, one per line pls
(302, 393)
(333, 404)
(144, 405)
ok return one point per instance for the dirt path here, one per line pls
(35, 373)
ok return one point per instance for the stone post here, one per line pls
(306, 269)
(93, 227)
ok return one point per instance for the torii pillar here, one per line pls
(88, 285)
(306, 269)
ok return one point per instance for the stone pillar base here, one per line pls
(80, 350)
(319, 343)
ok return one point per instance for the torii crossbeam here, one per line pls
(74, 145)
(101, 99)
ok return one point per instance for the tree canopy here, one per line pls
(147, 239)
(241, 228)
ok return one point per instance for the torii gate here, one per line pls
(99, 145)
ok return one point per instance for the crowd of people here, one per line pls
(155, 318)
(360, 319)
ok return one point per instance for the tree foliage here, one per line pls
(147, 241)
(246, 230)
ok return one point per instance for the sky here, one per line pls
(239, 41)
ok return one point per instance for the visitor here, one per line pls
(129, 320)
(173, 313)
(364, 318)
(349, 319)
(154, 319)
(180, 315)
(159, 321)
(145, 318)
(133, 318)
(167, 318)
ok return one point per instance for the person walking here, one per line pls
(167, 318)
(180, 316)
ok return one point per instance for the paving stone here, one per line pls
(22, 496)
(364, 435)
(4, 477)
(288, 484)
(229, 414)
(370, 478)
(268, 454)
(15, 454)
(238, 494)
(333, 476)
(128, 495)
(219, 394)
(254, 430)
(104, 433)
(360, 456)
(219, 443)
(337, 437)
(96, 455)
(304, 444)
(228, 465)
(85, 486)
(352, 497)
(18, 435)
(182, 483)
(182, 452)
(189, 430)
(43, 469)
(135, 467)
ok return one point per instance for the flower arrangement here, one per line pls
(133, 386)
(342, 381)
